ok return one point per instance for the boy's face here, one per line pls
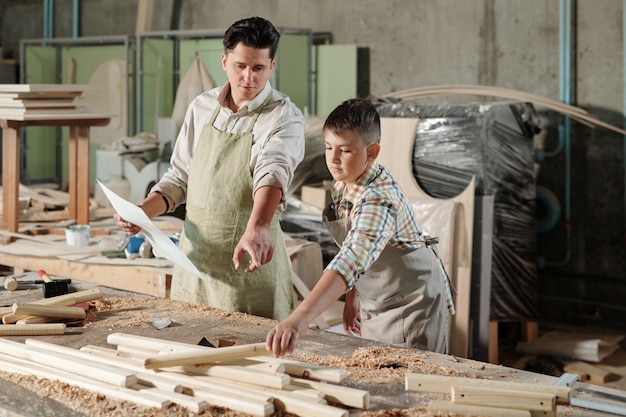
(248, 70)
(347, 157)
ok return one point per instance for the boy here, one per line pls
(398, 292)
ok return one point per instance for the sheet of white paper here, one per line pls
(159, 241)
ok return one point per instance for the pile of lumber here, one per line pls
(156, 373)
(489, 397)
(21, 101)
(47, 315)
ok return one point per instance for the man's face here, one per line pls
(248, 70)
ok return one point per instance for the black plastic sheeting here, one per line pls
(494, 143)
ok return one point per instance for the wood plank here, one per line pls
(441, 407)
(308, 370)
(443, 384)
(589, 372)
(25, 367)
(106, 374)
(346, 396)
(29, 309)
(209, 356)
(503, 398)
(31, 329)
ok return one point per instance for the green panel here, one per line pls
(292, 63)
(84, 61)
(158, 81)
(40, 147)
(336, 76)
(210, 52)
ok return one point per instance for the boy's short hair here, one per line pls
(253, 32)
(357, 115)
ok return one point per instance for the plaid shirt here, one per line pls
(381, 215)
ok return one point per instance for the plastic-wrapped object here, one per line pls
(494, 143)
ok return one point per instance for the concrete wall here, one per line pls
(507, 43)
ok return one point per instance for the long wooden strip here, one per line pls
(347, 396)
(31, 329)
(443, 384)
(308, 370)
(143, 378)
(241, 373)
(32, 320)
(63, 300)
(504, 398)
(442, 407)
(236, 402)
(68, 312)
(252, 364)
(152, 344)
(210, 356)
(196, 405)
(216, 392)
(102, 373)
(25, 367)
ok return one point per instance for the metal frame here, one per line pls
(59, 43)
(178, 35)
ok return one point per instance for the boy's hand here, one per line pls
(352, 314)
(282, 339)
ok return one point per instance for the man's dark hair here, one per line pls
(253, 32)
(356, 115)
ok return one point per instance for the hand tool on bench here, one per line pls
(52, 288)
(12, 284)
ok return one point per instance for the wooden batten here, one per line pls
(208, 356)
(67, 312)
(443, 384)
(25, 367)
(474, 410)
(346, 396)
(241, 373)
(308, 370)
(504, 398)
(102, 373)
(32, 329)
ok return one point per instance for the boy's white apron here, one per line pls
(219, 203)
(396, 309)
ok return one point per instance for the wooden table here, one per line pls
(79, 125)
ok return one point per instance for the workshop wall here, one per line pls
(413, 43)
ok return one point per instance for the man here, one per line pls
(232, 164)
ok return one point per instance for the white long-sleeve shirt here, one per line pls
(278, 139)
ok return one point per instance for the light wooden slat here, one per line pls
(308, 370)
(215, 392)
(504, 398)
(443, 384)
(102, 373)
(32, 329)
(241, 373)
(63, 300)
(25, 367)
(29, 309)
(153, 344)
(474, 410)
(346, 396)
(196, 405)
(143, 377)
(210, 356)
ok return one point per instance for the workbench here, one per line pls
(386, 393)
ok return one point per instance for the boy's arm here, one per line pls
(282, 339)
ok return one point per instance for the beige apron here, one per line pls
(219, 203)
(396, 310)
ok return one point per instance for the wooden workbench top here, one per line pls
(371, 366)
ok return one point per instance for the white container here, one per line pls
(77, 235)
